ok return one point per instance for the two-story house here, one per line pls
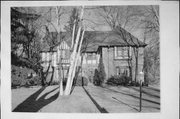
(117, 54)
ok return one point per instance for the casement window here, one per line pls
(65, 54)
(45, 58)
(91, 58)
(122, 52)
(122, 71)
(54, 59)
(118, 72)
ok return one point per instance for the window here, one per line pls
(65, 54)
(122, 71)
(121, 52)
(91, 58)
(118, 72)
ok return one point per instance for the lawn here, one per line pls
(87, 99)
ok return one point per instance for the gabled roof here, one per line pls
(110, 38)
(95, 39)
(47, 40)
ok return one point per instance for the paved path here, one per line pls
(77, 102)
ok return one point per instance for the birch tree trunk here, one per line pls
(60, 75)
(76, 60)
(74, 57)
(60, 64)
(73, 33)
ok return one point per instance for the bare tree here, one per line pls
(54, 40)
(119, 19)
(151, 26)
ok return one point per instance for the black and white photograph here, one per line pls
(86, 59)
(107, 57)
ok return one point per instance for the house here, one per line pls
(118, 55)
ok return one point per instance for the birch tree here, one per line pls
(77, 44)
(151, 26)
(54, 20)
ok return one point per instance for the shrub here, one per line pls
(102, 74)
(96, 80)
(118, 80)
(133, 83)
(81, 81)
(99, 74)
(19, 77)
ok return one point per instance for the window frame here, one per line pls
(122, 55)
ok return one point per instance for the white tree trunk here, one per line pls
(61, 80)
(73, 33)
(76, 60)
(60, 65)
(72, 63)
(74, 57)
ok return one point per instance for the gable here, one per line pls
(95, 39)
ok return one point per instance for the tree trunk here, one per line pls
(61, 78)
(76, 60)
(74, 57)
(73, 33)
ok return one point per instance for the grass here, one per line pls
(87, 99)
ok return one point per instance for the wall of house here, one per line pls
(89, 65)
(108, 61)
(111, 63)
(50, 62)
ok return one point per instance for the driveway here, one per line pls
(125, 99)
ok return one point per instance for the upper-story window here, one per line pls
(91, 58)
(122, 52)
(65, 54)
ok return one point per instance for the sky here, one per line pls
(91, 19)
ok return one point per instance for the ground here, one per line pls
(87, 99)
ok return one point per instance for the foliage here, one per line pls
(23, 30)
(24, 36)
(22, 76)
(151, 65)
(99, 74)
(96, 80)
(118, 80)
(101, 70)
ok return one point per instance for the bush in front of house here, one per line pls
(96, 80)
(119, 80)
(133, 83)
(99, 74)
(101, 71)
(81, 81)
(22, 76)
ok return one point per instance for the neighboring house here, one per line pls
(50, 61)
(117, 55)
